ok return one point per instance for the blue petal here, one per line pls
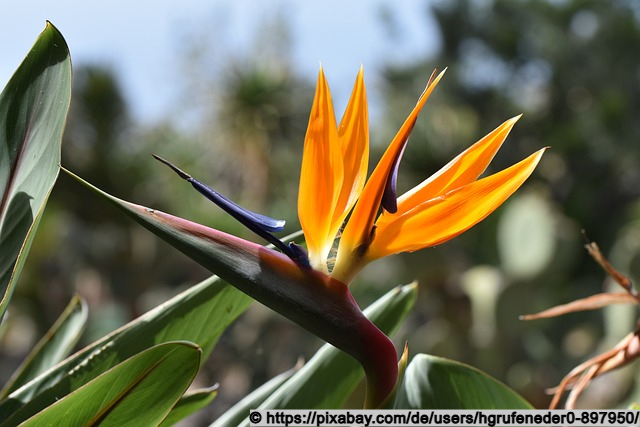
(260, 224)
(238, 212)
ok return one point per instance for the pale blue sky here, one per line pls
(140, 39)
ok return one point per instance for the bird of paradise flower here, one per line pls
(332, 185)
(334, 193)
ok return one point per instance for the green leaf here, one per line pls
(33, 111)
(330, 376)
(198, 315)
(138, 392)
(189, 403)
(238, 412)
(53, 347)
(432, 382)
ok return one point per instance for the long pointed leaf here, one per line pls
(33, 111)
(53, 347)
(138, 392)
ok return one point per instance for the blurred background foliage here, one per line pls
(572, 68)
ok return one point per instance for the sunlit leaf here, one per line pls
(53, 347)
(33, 111)
(138, 392)
(432, 382)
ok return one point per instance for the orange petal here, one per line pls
(358, 230)
(321, 176)
(462, 170)
(353, 134)
(437, 220)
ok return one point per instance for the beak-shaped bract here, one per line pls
(308, 297)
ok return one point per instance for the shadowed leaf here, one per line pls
(33, 111)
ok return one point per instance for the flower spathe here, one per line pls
(443, 206)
